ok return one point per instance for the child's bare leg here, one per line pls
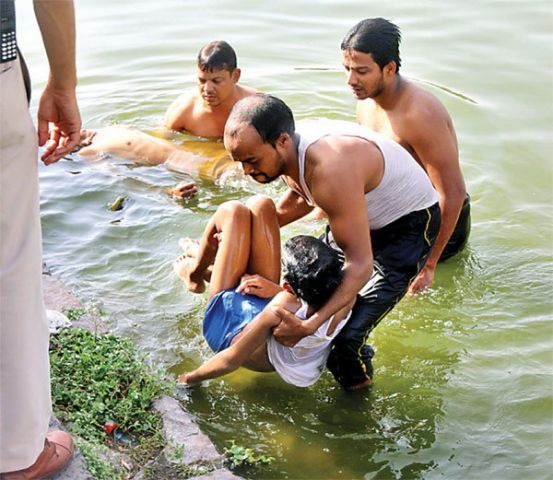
(233, 226)
(225, 244)
(265, 244)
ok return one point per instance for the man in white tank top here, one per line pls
(382, 212)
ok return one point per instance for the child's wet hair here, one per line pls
(311, 268)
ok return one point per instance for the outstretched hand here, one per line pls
(184, 379)
(290, 330)
(423, 280)
(258, 286)
(59, 123)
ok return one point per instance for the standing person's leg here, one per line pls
(25, 405)
(225, 244)
(400, 250)
(265, 245)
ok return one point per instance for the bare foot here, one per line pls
(184, 267)
(189, 246)
(360, 386)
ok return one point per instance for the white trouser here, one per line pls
(25, 405)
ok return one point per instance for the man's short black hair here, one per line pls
(311, 268)
(269, 115)
(217, 55)
(377, 36)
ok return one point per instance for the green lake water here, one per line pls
(463, 386)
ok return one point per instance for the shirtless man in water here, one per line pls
(203, 113)
(394, 106)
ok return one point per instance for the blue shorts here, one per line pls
(227, 314)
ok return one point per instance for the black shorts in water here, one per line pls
(399, 251)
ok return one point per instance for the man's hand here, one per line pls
(186, 379)
(184, 189)
(59, 124)
(291, 329)
(258, 286)
(423, 280)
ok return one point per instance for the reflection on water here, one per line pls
(463, 372)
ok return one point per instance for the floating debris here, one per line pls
(118, 203)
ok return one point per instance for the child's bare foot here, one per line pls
(189, 246)
(184, 268)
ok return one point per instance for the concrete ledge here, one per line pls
(185, 442)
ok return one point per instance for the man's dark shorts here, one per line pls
(460, 235)
(399, 251)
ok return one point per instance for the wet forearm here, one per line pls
(450, 208)
(56, 20)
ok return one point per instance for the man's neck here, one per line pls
(388, 99)
(292, 168)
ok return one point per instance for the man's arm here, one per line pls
(291, 207)
(128, 143)
(340, 194)
(433, 139)
(59, 120)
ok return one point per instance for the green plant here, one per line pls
(238, 455)
(96, 315)
(74, 314)
(175, 452)
(98, 379)
(98, 468)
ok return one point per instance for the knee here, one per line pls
(261, 205)
(235, 211)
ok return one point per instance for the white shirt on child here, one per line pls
(303, 364)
